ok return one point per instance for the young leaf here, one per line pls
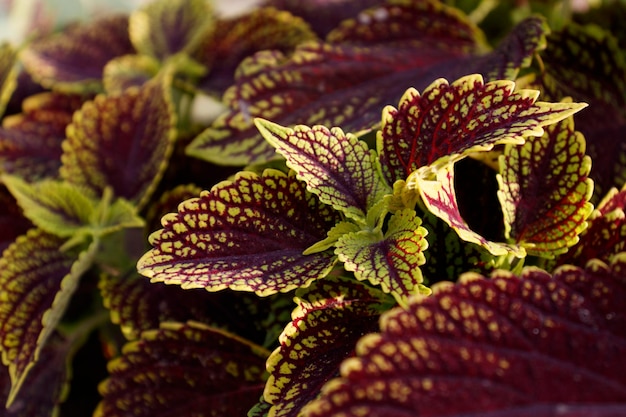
(8, 74)
(186, 370)
(331, 316)
(60, 208)
(73, 60)
(545, 191)
(447, 121)
(165, 27)
(391, 260)
(338, 168)
(121, 141)
(503, 346)
(247, 235)
(37, 280)
(128, 71)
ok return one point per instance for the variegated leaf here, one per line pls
(340, 169)
(247, 235)
(37, 280)
(186, 370)
(538, 344)
(128, 71)
(545, 190)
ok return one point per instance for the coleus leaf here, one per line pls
(184, 369)
(447, 121)
(8, 74)
(247, 235)
(330, 317)
(73, 60)
(12, 220)
(165, 27)
(390, 260)
(127, 71)
(340, 169)
(499, 347)
(37, 280)
(545, 190)
(121, 141)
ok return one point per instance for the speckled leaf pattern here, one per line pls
(165, 27)
(337, 167)
(439, 196)
(247, 234)
(37, 280)
(73, 60)
(545, 190)
(329, 319)
(8, 74)
(447, 121)
(390, 260)
(121, 141)
(502, 346)
(186, 370)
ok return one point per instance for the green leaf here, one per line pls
(165, 27)
(247, 235)
(57, 207)
(127, 71)
(390, 260)
(338, 168)
(186, 370)
(329, 319)
(545, 190)
(8, 74)
(122, 141)
(448, 121)
(37, 280)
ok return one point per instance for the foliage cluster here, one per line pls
(394, 214)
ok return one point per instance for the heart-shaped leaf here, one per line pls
(121, 141)
(390, 260)
(331, 316)
(447, 121)
(186, 370)
(73, 60)
(538, 344)
(340, 169)
(545, 191)
(247, 235)
(37, 280)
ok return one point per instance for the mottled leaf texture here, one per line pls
(121, 141)
(390, 260)
(439, 196)
(247, 235)
(8, 74)
(184, 370)
(346, 84)
(331, 316)
(73, 60)
(37, 280)
(57, 207)
(606, 234)
(165, 27)
(545, 191)
(535, 345)
(447, 121)
(340, 169)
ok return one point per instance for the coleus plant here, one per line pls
(393, 215)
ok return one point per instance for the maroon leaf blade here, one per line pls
(247, 235)
(506, 345)
(184, 369)
(13, 223)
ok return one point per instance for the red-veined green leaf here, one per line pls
(121, 141)
(391, 259)
(447, 121)
(73, 60)
(338, 168)
(8, 75)
(498, 347)
(128, 71)
(545, 191)
(37, 280)
(165, 27)
(185, 370)
(439, 196)
(247, 235)
(331, 316)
